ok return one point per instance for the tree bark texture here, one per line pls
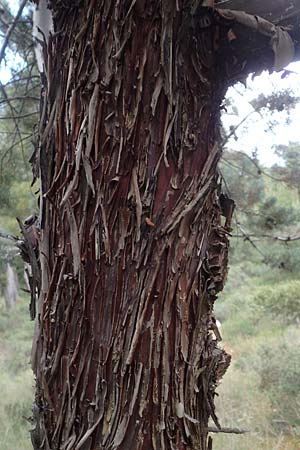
(133, 247)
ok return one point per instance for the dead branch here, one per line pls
(8, 237)
(260, 171)
(277, 12)
(234, 129)
(22, 97)
(251, 241)
(33, 113)
(15, 144)
(227, 430)
(12, 110)
(268, 236)
(12, 133)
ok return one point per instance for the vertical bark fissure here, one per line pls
(131, 231)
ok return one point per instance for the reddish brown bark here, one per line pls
(133, 250)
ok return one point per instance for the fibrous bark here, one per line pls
(133, 248)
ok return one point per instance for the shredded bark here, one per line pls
(133, 247)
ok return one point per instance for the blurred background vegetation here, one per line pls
(260, 307)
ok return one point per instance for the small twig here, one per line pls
(15, 80)
(12, 133)
(24, 97)
(236, 127)
(10, 148)
(248, 238)
(13, 112)
(260, 171)
(9, 237)
(227, 430)
(23, 116)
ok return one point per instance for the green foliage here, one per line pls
(267, 208)
(7, 254)
(19, 103)
(243, 179)
(271, 215)
(290, 170)
(260, 393)
(16, 379)
(279, 371)
(285, 256)
(282, 100)
(243, 403)
(282, 301)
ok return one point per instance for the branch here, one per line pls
(12, 110)
(33, 113)
(259, 172)
(14, 78)
(248, 238)
(268, 236)
(250, 43)
(236, 127)
(279, 11)
(13, 133)
(9, 237)
(7, 151)
(226, 430)
(24, 97)
(10, 30)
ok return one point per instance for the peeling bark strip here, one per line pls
(132, 248)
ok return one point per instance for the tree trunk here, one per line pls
(11, 292)
(132, 246)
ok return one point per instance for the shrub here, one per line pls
(279, 372)
(282, 301)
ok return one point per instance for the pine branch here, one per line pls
(11, 29)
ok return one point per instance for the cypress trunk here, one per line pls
(132, 245)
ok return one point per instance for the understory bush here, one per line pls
(279, 372)
(282, 301)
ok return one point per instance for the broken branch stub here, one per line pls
(280, 41)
